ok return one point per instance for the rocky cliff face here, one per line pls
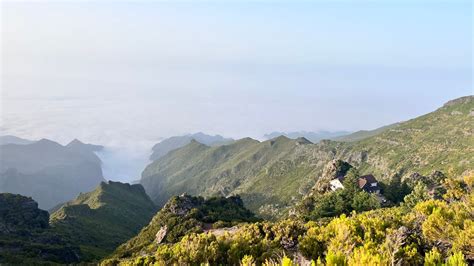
(332, 170)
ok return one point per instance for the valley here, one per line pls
(250, 202)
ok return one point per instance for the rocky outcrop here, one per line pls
(182, 205)
(161, 234)
(334, 169)
(183, 215)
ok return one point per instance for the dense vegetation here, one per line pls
(25, 235)
(182, 215)
(102, 219)
(431, 232)
(272, 176)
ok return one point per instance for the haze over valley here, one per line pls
(205, 132)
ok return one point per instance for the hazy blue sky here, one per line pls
(126, 73)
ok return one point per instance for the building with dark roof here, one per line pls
(368, 183)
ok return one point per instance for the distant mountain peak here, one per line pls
(170, 144)
(280, 139)
(79, 145)
(303, 140)
(46, 141)
(75, 142)
(313, 137)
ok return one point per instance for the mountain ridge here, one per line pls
(271, 175)
(167, 145)
(48, 171)
(100, 220)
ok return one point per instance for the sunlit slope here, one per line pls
(272, 175)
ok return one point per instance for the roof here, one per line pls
(369, 178)
(365, 181)
(362, 182)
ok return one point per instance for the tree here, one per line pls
(351, 182)
(364, 201)
(418, 194)
(396, 190)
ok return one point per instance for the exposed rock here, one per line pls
(288, 243)
(332, 170)
(182, 205)
(160, 235)
(222, 231)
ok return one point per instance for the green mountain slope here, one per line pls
(239, 167)
(25, 235)
(363, 134)
(101, 220)
(164, 147)
(273, 175)
(185, 214)
(442, 140)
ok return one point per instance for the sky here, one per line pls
(126, 74)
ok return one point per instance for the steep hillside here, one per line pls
(100, 220)
(173, 143)
(442, 140)
(25, 236)
(273, 175)
(182, 215)
(268, 173)
(49, 172)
